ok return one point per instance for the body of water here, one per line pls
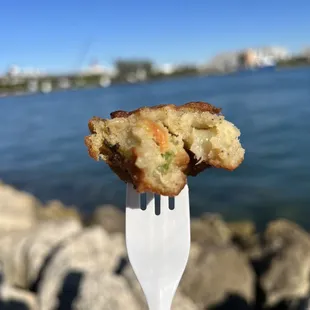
(42, 149)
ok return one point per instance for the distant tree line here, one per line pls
(295, 61)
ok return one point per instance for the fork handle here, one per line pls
(159, 307)
(160, 303)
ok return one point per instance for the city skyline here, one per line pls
(66, 36)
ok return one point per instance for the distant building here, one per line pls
(227, 61)
(17, 72)
(139, 75)
(31, 72)
(13, 70)
(165, 68)
(263, 56)
(97, 69)
(276, 52)
(248, 58)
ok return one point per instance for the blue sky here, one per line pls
(65, 35)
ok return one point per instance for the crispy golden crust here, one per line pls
(194, 105)
(92, 152)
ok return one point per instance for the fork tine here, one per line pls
(132, 197)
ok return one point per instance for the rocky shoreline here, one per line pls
(51, 258)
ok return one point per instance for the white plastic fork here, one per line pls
(158, 245)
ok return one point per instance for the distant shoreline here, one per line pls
(280, 66)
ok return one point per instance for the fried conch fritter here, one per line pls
(156, 148)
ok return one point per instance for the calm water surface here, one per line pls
(42, 149)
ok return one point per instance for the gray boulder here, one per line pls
(25, 253)
(110, 218)
(17, 209)
(91, 249)
(44, 241)
(104, 291)
(287, 249)
(210, 228)
(55, 210)
(219, 275)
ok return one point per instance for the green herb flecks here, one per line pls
(168, 157)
